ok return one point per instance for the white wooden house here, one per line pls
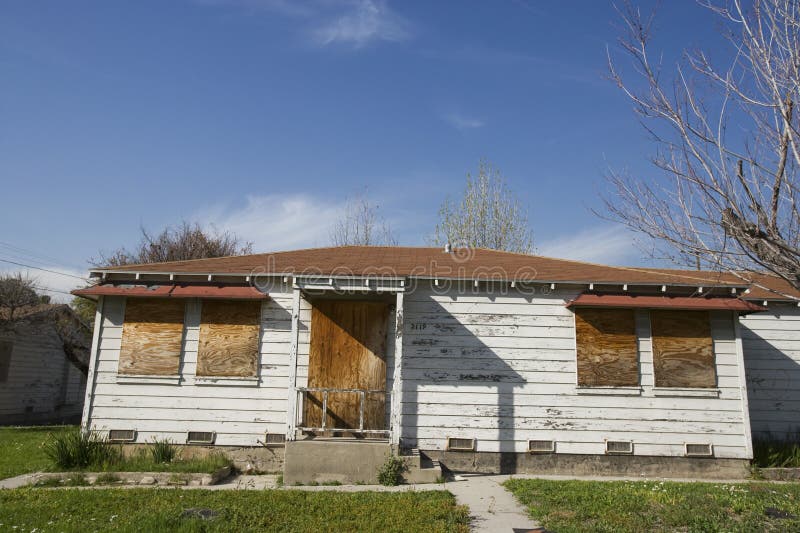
(483, 360)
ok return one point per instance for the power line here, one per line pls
(26, 254)
(27, 251)
(43, 269)
(48, 289)
(16, 256)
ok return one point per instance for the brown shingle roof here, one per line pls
(762, 286)
(766, 286)
(427, 262)
(461, 263)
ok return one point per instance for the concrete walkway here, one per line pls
(260, 482)
(18, 481)
(238, 482)
(491, 506)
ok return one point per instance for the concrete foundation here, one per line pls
(321, 461)
(357, 461)
(591, 465)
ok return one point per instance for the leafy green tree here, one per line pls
(85, 309)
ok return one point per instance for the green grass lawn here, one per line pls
(22, 449)
(620, 506)
(271, 510)
(141, 462)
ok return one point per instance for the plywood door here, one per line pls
(347, 351)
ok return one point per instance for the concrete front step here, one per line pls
(325, 461)
(350, 461)
(421, 469)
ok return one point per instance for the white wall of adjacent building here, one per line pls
(772, 358)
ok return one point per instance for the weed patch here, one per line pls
(79, 449)
(390, 473)
(163, 451)
(74, 450)
(777, 453)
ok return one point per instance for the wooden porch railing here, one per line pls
(308, 396)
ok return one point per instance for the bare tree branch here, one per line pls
(489, 215)
(186, 241)
(362, 225)
(17, 291)
(722, 198)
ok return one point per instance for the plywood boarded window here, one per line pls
(683, 351)
(6, 347)
(607, 352)
(229, 338)
(151, 337)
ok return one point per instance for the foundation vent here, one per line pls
(619, 447)
(200, 437)
(460, 445)
(699, 450)
(541, 446)
(122, 435)
(274, 439)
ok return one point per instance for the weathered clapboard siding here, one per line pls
(771, 342)
(42, 385)
(502, 369)
(239, 412)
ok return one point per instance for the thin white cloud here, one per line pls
(277, 222)
(610, 244)
(328, 22)
(366, 21)
(463, 122)
(292, 8)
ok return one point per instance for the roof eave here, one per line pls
(136, 275)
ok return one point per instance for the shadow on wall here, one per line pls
(451, 375)
(771, 345)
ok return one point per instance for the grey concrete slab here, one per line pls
(19, 481)
(492, 507)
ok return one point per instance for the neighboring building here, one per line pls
(771, 343)
(484, 360)
(44, 354)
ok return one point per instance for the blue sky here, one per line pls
(264, 116)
